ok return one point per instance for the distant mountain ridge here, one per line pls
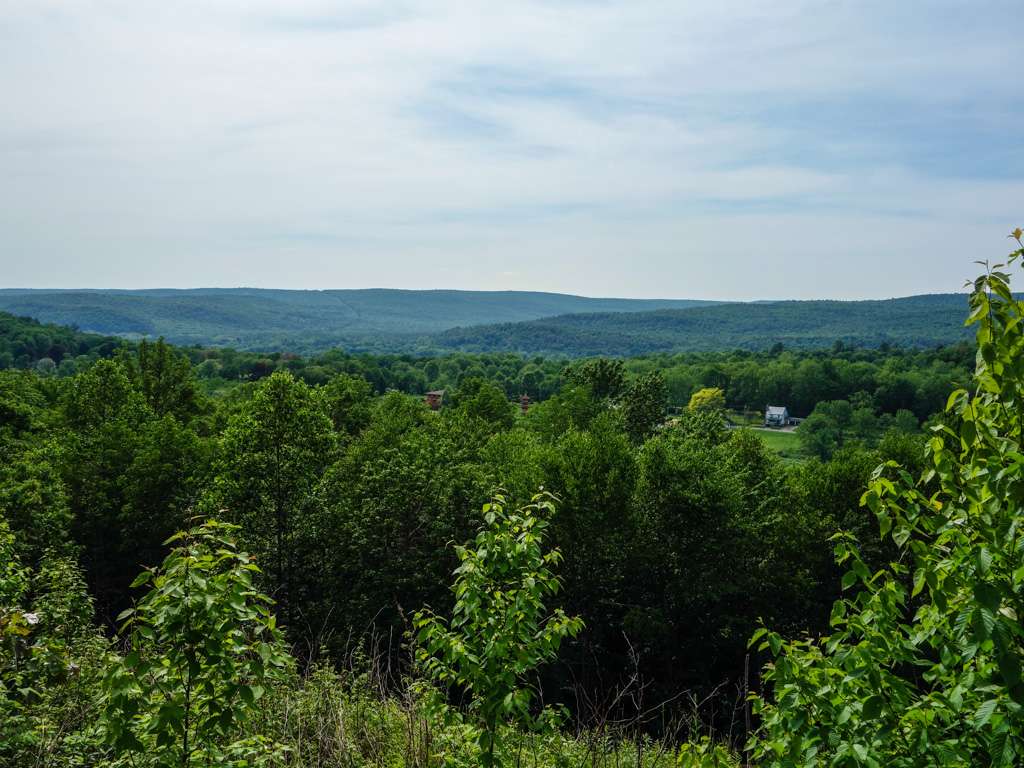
(916, 321)
(380, 319)
(393, 320)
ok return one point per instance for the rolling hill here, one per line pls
(920, 321)
(301, 321)
(386, 320)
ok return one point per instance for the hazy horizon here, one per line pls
(621, 149)
(726, 300)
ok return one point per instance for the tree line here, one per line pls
(675, 539)
(887, 378)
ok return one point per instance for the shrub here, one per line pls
(203, 646)
(924, 664)
(498, 632)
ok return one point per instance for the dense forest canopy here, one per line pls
(348, 488)
(384, 320)
(321, 502)
(915, 322)
(389, 321)
(892, 378)
(25, 342)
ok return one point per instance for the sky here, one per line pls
(676, 149)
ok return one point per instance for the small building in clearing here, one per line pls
(434, 399)
(776, 416)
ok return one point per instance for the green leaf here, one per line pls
(984, 713)
(872, 707)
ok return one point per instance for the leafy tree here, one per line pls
(389, 508)
(102, 394)
(272, 454)
(348, 400)
(34, 501)
(517, 460)
(605, 378)
(906, 422)
(707, 399)
(165, 378)
(826, 429)
(864, 424)
(129, 477)
(572, 408)
(483, 400)
(532, 381)
(924, 664)
(498, 632)
(203, 647)
(687, 556)
(644, 405)
(705, 426)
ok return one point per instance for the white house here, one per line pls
(776, 416)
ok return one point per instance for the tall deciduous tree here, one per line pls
(348, 400)
(707, 399)
(605, 378)
(272, 454)
(165, 378)
(129, 477)
(644, 405)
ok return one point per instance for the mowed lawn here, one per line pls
(786, 444)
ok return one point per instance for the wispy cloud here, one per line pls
(641, 147)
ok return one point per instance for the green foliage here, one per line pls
(482, 400)
(704, 426)
(203, 648)
(923, 666)
(334, 718)
(34, 502)
(128, 474)
(348, 402)
(385, 513)
(381, 319)
(27, 343)
(676, 535)
(51, 660)
(707, 399)
(605, 378)
(705, 754)
(572, 408)
(103, 394)
(271, 455)
(644, 404)
(498, 632)
(165, 378)
(918, 321)
(836, 423)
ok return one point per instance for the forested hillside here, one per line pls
(429, 322)
(299, 321)
(24, 342)
(917, 321)
(300, 567)
(881, 382)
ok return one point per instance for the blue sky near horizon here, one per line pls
(641, 148)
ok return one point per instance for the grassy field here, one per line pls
(786, 444)
(745, 418)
